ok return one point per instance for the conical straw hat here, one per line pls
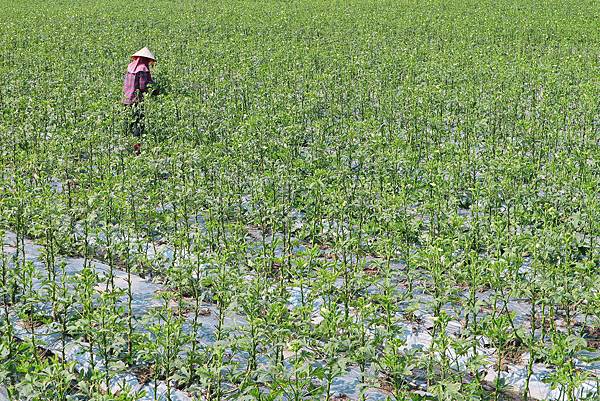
(145, 52)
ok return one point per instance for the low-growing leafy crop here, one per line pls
(362, 199)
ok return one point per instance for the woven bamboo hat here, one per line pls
(144, 52)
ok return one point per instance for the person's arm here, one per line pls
(144, 80)
(151, 86)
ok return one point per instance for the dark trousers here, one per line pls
(134, 120)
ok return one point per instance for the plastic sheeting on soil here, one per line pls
(415, 335)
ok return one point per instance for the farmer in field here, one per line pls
(137, 82)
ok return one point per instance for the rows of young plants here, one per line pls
(334, 200)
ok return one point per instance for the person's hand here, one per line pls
(153, 89)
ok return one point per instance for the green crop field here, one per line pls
(335, 200)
